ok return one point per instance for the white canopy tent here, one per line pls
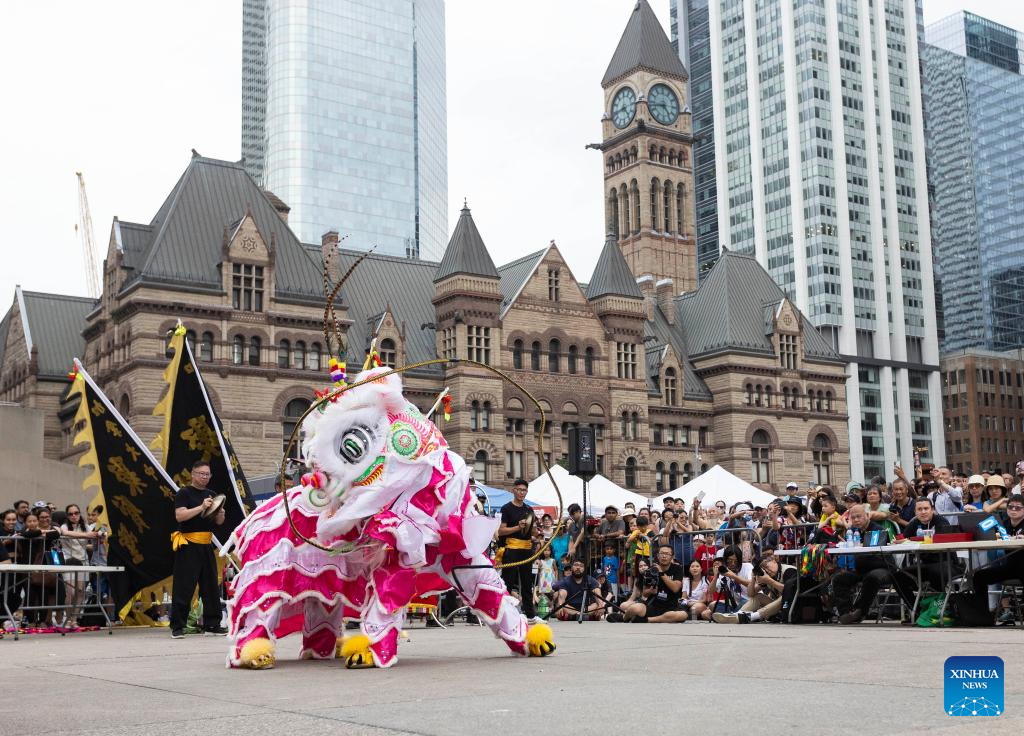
(719, 484)
(601, 492)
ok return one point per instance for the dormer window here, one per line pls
(388, 353)
(787, 352)
(247, 287)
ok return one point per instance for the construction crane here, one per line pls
(85, 237)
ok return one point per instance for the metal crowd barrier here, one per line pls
(40, 590)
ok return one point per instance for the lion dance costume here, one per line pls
(392, 503)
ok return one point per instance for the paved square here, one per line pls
(605, 678)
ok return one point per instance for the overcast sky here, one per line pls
(122, 90)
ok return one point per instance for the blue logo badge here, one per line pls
(974, 686)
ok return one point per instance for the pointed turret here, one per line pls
(466, 252)
(612, 275)
(644, 45)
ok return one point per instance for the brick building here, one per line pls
(674, 378)
(983, 408)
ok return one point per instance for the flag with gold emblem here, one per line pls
(192, 431)
(136, 493)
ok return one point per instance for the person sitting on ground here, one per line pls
(693, 598)
(730, 584)
(764, 591)
(660, 586)
(569, 594)
(870, 570)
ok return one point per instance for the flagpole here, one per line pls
(440, 398)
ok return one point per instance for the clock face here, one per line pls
(623, 107)
(663, 104)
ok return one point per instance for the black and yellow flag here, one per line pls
(192, 431)
(137, 494)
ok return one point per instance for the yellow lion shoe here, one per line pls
(257, 654)
(355, 650)
(540, 640)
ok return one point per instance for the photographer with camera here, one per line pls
(731, 582)
(764, 591)
(659, 586)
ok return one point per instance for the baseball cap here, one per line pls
(976, 480)
(854, 485)
(792, 486)
(40, 505)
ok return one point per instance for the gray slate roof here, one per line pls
(666, 334)
(404, 284)
(134, 243)
(728, 311)
(466, 252)
(514, 275)
(56, 322)
(644, 45)
(612, 275)
(185, 238)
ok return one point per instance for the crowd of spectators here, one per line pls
(716, 562)
(41, 534)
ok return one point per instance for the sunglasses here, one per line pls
(1015, 507)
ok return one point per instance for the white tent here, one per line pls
(719, 484)
(601, 492)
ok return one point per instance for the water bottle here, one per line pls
(856, 538)
(849, 538)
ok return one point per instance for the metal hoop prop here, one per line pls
(350, 546)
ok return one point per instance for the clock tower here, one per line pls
(646, 142)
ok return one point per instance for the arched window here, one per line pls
(670, 386)
(517, 355)
(667, 206)
(613, 212)
(822, 454)
(314, 356)
(750, 394)
(485, 416)
(673, 476)
(795, 398)
(284, 349)
(768, 396)
(760, 457)
(680, 207)
(535, 356)
(625, 425)
(299, 355)
(255, 344)
(687, 473)
(206, 347)
(810, 399)
(635, 196)
(237, 349)
(630, 472)
(634, 425)
(554, 356)
(190, 338)
(574, 355)
(828, 401)
(480, 467)
(703, 468)
(785, 397)
(474, 416)
(388, 353)
(655, 203)
(659, 477)
(292, 411)
(125, 406)
(588, 361)
(758, 390)
(661, 156)
(819, 401)
(627, 209)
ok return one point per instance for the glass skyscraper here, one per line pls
(344, 118)
(689, 28)
(974, 121)
(820, 174)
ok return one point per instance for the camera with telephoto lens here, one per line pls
(650, 578)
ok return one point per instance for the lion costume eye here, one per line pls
(355, 443)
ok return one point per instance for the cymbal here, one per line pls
(218, 503)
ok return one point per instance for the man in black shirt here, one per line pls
(569, 594)
(1010, 567)
(194, 560)
(872, 571)
(517, 531)
(659, 596)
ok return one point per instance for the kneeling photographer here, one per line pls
(764, 591)
(655, 598)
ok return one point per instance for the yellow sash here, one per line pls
(514, 543)
(180, 538)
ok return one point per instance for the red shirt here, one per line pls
(705, 555)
